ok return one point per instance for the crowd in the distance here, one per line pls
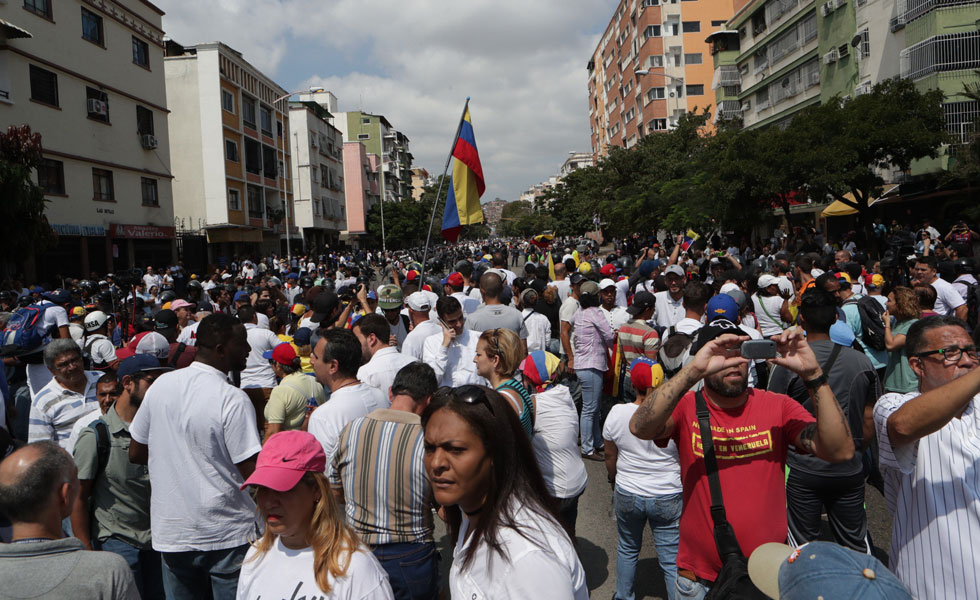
(294, 428)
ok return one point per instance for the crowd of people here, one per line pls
(294, 428)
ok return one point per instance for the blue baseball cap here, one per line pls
(241, 295)
(292, 276)
(841, 333)
(139, 363)
(301, 337)
(647, 267)
(721, 306)
(58, 296)
(822, 570)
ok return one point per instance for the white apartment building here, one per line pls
(231, 152)
(317, 172)
(88, 76)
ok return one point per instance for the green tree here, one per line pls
(24, 229)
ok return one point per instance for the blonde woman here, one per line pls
(498, 356)
(308, 550)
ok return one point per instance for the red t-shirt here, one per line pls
(750, 443)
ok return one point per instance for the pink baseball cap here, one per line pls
(285, 458)
(180, 303)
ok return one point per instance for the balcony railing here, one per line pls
(950, 52)
(960, 119)
(913, 9)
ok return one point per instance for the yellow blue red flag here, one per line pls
(466, 183)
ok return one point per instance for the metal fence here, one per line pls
(950, 52)
(960, 119)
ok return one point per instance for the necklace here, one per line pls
(472, 513)
(349, 383)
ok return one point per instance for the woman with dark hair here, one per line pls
(481, 466)
(903, 304)
(591, 343)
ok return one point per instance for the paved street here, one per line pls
(596, 528)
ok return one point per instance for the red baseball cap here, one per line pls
(609, 270)
(284, 354)
(454, 279)
(285, 458)
(412, 275)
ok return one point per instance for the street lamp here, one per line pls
(289, 250)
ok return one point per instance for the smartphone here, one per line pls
(759, 349)
(443, 323)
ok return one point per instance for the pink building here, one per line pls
(360, 189)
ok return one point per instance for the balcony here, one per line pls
(909, 10)
(950, 52)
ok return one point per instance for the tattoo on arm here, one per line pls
(669, 394)
(806, 437)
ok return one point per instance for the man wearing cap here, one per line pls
(381, 361)
(814, 485)
(754, 430)
(390, 303)
(296, 395)
(184, 311)
(636, 337)
(454, 287)
(181, 355)
(114, 492)
(419, 309)
(494, 314)
(450, 352)
(98, 347)
(670, 302)
(615, 314)
(199, 435)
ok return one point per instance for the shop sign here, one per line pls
(80, 230)
(141, 232)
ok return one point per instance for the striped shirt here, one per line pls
(55, 410)
(379, 462)
(932, 488)
(527, 405)
(638, 339)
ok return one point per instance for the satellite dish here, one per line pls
(856, 41)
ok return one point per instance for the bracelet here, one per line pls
(816, 382)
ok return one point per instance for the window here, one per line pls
(51, 176)
(691, 26)
(144, 121)
(102, 186)
(269, 162)
(656, 61)
(278, 128)
(324, 176)
(693, 58)
(248, 111)
(265, 114)
(651, 31)
(149, 189)
(865, 45)
(97, 104)
(656, 94)
(234, 200)
(231, 150)
(228, 101)
(256, 203)
(253, 156)
(141, 52)
(39, 7)
(366, 120)
(364, 136)
(717, 23)
(657, 125)
(92, 27)
(44, 86)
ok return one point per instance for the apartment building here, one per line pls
(420, 179)
(362, 190)
(317, 172)
(231, 152)
(650, 67)
(88, 76)
(391, 147)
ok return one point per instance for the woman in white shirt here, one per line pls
(647, 484)
(308, 550)
(482, 469)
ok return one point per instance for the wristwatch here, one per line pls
(816, 382)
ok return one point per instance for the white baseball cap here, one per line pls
(418, 301)
(606, 283)
(154, 344)
(765, 280)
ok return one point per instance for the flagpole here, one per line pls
(435, 205)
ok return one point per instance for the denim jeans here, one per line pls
(685, 589)
(413, 569)
(633, 512)
(590, 427)
(203, 573)
(145, 564)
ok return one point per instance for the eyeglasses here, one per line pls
(473, 394)
(953, 353)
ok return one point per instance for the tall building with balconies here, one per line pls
(89, 77)
(651, 65)
(380, 138)
(231, 152)
(318, 172)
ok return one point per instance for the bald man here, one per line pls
(38, 486)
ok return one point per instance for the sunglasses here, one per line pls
(473, 395)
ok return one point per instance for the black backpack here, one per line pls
(872, 325)
(972, 304)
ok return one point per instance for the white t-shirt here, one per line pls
(565, 315)
(555, 442)
(947, 298)
(767, 313)
(622, 290)
(100, 350)
(563, 286)
(468, 303)
(412, 346)
(343, 406)
(668, 311)
(286, 573)
(188, 335)
(258, 372)
(545, 566)
(642, 468)
(198, 427)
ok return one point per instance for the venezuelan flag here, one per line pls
(689, 240)
(466, 183)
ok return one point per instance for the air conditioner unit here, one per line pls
(826, 9)
(98, 107)
(830, 57)
(148, 142)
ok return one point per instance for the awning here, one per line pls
(11, 31)
(840, 209)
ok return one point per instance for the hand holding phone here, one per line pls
(758, 349)
(448, 333)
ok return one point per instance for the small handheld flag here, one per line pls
(689, 238)
(466, 183)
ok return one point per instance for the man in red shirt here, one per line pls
(753, 431)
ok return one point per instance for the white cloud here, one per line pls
(522, 63)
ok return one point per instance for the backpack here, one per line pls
(872, 326)
(675, 352)
(23, 334)
(972, 304)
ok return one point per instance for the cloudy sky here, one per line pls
(522, 62)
